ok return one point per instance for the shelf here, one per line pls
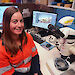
(60, 7)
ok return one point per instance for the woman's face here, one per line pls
(16, 23)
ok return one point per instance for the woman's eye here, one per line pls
(22, 20)
(15, 21)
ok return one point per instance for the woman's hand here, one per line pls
(35, 73)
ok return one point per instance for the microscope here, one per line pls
(65, 43)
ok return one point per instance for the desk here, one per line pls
(47, 60)
(45, 55)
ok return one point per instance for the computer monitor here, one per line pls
(2, 9)
(43, 19)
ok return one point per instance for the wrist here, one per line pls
(35, 73)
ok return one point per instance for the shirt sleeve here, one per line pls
(35, 66)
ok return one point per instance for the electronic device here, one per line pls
(37, 38)
(61, 64)
(43, 19)
(47, 45)
(55, 31)
(2, 9)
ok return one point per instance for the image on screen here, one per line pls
(43, 19)
(2, 9)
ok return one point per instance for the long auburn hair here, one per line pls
(9, 43)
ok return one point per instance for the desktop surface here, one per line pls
(47, 61)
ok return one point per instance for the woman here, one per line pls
(18, 54)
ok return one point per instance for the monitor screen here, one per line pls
(43, 19)
(2, 9)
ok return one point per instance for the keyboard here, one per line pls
(37, 38)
